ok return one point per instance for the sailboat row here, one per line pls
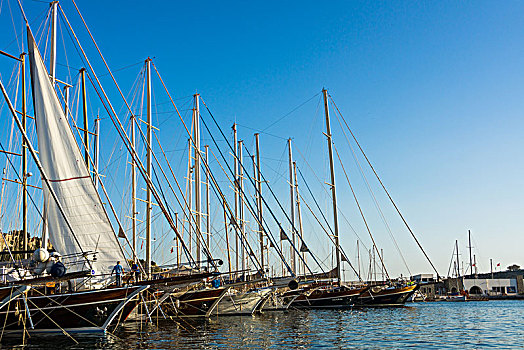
(81, 284)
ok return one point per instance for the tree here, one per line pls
(513, 267)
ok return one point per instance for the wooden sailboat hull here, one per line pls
(247, 303)
(197, 303)
(327, 298)
(85, 311)
(386, 297)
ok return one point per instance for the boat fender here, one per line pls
(58, 270)
(39, 268)
(49, 264)
(293, 284)
(40, 255)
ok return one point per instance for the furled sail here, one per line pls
(70, 179)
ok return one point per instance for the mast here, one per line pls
(382, 265)
(235, 168)
(227, 240)
(333, 192)
(177, 242)
(299, 216)
(198, 213)
(292, 208)
(133, 189)
(208, 210)
(241, 206)
(54, 24)
(84, 113)
(470, 260)
(66, 99)
(148, 168)
(358, 258)
(96, 149)
(458, 263)
(24, 161)
(259, 200)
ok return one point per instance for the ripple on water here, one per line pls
(473, 325)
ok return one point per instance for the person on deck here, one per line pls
(135, 271)
(118, 270)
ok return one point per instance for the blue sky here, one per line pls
(433, 91)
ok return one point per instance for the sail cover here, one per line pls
(70, 179)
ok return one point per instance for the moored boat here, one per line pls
(85, 311)
(324, 296)
(383, 296)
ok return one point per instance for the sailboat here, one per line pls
(79, 229)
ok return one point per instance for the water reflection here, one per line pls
(494, 324)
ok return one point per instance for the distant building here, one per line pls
(423, 277)
(429, 286)
(497, 284)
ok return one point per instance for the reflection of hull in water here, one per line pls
(277, 302)
(329, 298)
(243, 303)
(194, 303)
(84, 311)
(386, 297)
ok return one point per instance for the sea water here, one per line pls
(437, 325)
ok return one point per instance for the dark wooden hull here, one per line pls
(83, 311)
(386, 297)
(326, 298)
(199, 303)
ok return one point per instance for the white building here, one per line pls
(496, 286)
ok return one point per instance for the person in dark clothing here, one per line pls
(136, 272)
(118, 271)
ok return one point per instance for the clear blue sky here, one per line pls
(433, 90)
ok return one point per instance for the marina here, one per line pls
(495, 325)
(133, 215)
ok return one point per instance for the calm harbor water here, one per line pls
(472, 325)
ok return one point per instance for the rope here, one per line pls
(361, 213)
(386, 191)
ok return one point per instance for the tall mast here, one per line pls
(333, 192)
(382, 265)
(54, 24)
(470, 260)
(96, 149)
(292, 207)
(189, 187)
(177, 242)
(458, 264)
(259, 201)
(227, 240)
(299, 216)
(198, 213)
(24, 161)
(66, 99)
(358, 258)
(148, 168)
(235, 168)
(241, 206)
(133, 188)
(208, 211)
(84, 113)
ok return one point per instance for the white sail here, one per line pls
(70, 179)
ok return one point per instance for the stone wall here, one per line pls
(520, 284)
